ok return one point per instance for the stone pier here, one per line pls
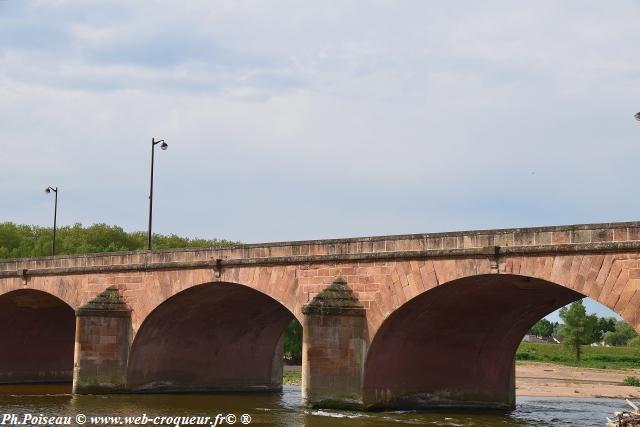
(102, 345)
(334, 348)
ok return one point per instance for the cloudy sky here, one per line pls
(298, 120)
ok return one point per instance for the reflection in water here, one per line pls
(283, 409)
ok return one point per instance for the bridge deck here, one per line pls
(604, 237)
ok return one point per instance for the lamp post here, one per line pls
(55, 215)
(163, 146)
(637, 116)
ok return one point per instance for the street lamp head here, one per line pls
(164, 146)
(47, 190)
(637, 116)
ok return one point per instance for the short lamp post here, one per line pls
(163, 146)
(55, 215)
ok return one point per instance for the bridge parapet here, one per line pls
(536, 239)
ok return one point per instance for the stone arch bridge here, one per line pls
(411, 321)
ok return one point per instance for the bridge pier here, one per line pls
(102, 345)
(334, 348)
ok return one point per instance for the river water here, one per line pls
(283, 409)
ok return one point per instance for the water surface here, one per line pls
(283, 409)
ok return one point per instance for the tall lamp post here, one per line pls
(55, 215)
(163, 146)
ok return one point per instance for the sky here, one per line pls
(303, 120)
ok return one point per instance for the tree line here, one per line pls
(24, 241)
(581, 329)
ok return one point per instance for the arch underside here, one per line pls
(211, 337)
(37, 336)
(455, 344)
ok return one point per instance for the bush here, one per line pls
(621, 335)
(525, 356)
(632, 381)
(615, 358)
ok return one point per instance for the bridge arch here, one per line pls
(216, 336)
(454, 343)
(64, 289)
(37, 332)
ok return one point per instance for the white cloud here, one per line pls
(290, 121)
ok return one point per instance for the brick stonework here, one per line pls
(102, 344)
(334, 348)
(601, 261)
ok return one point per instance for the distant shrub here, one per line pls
(634, 342)
(525, 356)
(615, 358)
(632, 381)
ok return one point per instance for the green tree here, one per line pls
(542, 328)
(19, 241)
(605, 324)
(293, 342)
(578, 327)
(22, 241)
(621, 336)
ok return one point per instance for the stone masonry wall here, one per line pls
(384, 272)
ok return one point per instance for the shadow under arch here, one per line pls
(37, 332)
(210, 337)
(454, 345)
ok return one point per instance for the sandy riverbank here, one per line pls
(537, 379)
(547, 380)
